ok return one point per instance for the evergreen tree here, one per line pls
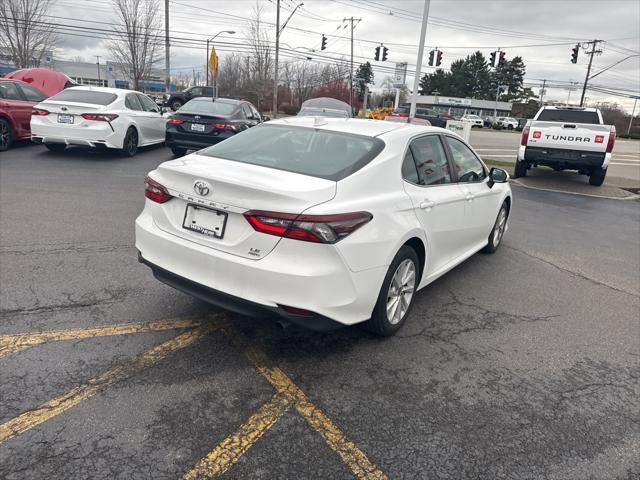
(362, 78)
(439, 81)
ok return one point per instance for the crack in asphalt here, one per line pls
(573, 272)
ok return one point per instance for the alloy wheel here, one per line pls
(401, 290)
(5, 136)
(132, 142)
(500, 227)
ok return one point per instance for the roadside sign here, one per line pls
(461, 128)
(213, 61)
(400, 75)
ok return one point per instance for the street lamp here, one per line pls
(230, 32)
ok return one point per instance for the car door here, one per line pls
(248, 114)
(17, 108)
(437, 200)
(138, 114)
(481, 201)
(155, 122)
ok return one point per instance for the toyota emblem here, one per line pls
(202, 188)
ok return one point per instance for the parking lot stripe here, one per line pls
(350, 454)
(56, 406)
(234, 446)
(14, 343)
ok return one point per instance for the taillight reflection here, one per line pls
(175, 121)
(39, 112)
(308, 228)
(99, 117)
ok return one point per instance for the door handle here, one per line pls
(469, 197)
(427, 204)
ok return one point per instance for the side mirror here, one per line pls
(162, 111)
(497, 175)
(265, 118)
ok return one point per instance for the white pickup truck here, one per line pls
(567, 138)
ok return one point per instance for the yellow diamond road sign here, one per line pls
(213, 61)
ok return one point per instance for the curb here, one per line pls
(517, 182)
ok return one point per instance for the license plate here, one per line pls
(204, 220)
(197, 127)
(63, 118)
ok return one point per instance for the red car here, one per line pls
(16, 101)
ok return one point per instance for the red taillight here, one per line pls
(224, 126)
(175, 121)
(99, 117)
(308, 228)
(612, 140)
(155, 192)
(39, 112)
(525, 136)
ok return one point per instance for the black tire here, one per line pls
(178, 151)
(6, 135)
(495, 237)
(379, 322)
(130, 144)
(55, 147)
(509, 127)
(597, 176)
(176, 104)
(520, 169)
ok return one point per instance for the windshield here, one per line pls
(317, 153)
(85, 96)
(569, 116)
(208, 107)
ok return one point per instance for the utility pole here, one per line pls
(631, 119)
(594, 44)
(416, 80)
(274, 108)
(542, 92)
(167, 81)
(98, 63)
(351, 69)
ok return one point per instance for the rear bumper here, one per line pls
(192, 142)
(98, 136)
(569, 159)
(296, 274)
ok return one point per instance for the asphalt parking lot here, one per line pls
(518, 365)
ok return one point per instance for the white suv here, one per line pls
(475, 120)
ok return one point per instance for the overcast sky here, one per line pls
(543, 32)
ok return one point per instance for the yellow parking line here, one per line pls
(52, 408)
(234, 446)
(350, 454)
(14, 343)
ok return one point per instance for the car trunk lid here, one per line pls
(211, 195)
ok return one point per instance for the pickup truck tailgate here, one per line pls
(569, 136)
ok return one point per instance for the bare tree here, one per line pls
(135, 49)
(23, 31)
(260, 61)
(231, 75)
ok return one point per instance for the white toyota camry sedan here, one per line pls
(322, 222)
(98, 117)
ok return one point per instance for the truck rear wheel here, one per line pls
(597, 176)
(520, 170)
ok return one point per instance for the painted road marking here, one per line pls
(52, 408)
(14, 343)
(350, 454)
(221, 458)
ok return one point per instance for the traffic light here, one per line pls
(324, 43)
(439, 58)
(431, 55)
(377, 56)
(501, 58)
(574, 54)
(384, 53)
(492, 59)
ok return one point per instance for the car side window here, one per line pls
(409, 170)
(9, 91)
(467, 165)
(196, 92)
(247, 111)
(148, 104)
(132, 102)
(32, 94)
(430, 160)
(256, 114)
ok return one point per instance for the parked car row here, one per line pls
(111, 118)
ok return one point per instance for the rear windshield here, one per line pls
(569, 116)
(317, 153)
(310, 112)
(208, 107)
(85, 96)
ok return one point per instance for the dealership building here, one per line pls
(107, 74)
(462, 106)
